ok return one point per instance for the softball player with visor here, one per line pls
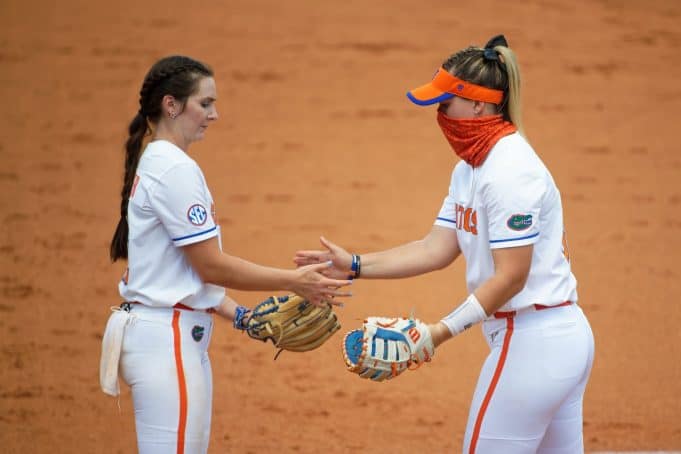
(503, 212)
(177, 273)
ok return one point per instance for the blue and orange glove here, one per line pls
(386, 347)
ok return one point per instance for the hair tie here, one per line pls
(491, 54)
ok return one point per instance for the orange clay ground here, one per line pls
(316, 137)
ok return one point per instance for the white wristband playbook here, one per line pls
(466, 315)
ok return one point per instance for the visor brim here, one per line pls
(427, 95)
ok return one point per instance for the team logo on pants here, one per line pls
(197, 333)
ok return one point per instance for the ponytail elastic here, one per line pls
(491, 54)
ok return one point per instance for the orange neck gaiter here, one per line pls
(473, 138)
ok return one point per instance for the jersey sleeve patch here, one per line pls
(197, 214)
(514, 211)
(182, 201)
(519, 222)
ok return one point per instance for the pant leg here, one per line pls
(170, 381)
(536, 360)
(564, 433)
(199, 391)
(500, 419)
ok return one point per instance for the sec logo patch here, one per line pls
(197, 214)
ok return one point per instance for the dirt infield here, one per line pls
(317, 137)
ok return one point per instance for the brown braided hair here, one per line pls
(177, 76)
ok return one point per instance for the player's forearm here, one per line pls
(439, 333)
(411, 259)
(487, 298)
(218, 268)
(408, 260)
(227, 308)
(512, 267)
(237, 273)
(511, 270)
(497, 290)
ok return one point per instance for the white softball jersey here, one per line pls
(510, 200)
(541, 358)
(158, 342)
(170, 206)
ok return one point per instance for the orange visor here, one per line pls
(444, 86)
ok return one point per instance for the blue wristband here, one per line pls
(356, 265)
(239, 315)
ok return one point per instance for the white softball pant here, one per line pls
(164, 359)
(529, 393)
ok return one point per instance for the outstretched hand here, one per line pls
(340, 259)
(312, 284)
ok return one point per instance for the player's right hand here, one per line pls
(310, 283)
(340, 258)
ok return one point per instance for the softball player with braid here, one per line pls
(176, 268)
(503, 212)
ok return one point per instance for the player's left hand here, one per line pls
(385, 347)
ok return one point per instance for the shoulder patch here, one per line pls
(197, 214)
(519, 222)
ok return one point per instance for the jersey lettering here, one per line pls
(466, 219)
